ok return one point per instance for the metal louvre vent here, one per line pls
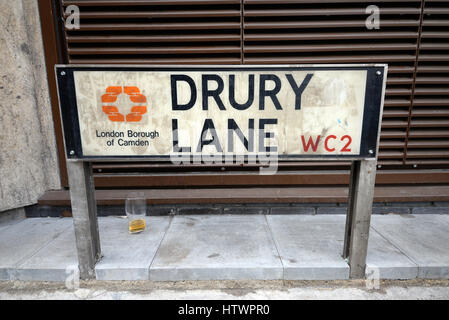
(156, 32)
(428, 140)
(415, 125)
(335, 32)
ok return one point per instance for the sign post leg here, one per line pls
(360, 202)
(84, 211)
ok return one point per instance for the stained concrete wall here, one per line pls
(28, 159)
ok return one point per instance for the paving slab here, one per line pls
(422, 238)
(444, 218)
(128, 256)
(310, 247)
(20, 241)
(4, 274)
(4, 226)
(217, 248)
(386, 260)
(57, 261)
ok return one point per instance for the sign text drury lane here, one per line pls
(291, 111)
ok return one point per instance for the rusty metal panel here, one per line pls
(428, 135)
(156, 32)
(305, 194)
(335, 32)
(413, 40)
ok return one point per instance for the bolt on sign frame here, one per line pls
(353, 98)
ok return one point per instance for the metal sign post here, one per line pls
(358, 218)
(295, 112)
(84, 212)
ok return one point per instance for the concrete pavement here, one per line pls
(228, 247)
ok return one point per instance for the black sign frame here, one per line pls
(373, 106)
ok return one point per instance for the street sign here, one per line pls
(152, 112)
(325, 112)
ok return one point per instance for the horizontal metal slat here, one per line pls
(153, 38)
(325, 11)
(433, 46)
(427, 162)
(154, 50)
(434, 123)
(431, 80)
(428, 143)
(173, 60)
(397, 102)
(433, 69)
(435, 23)
(328, 36)
(434, 34)
(388, 113)
(222, 179)
(331, 59)
(328, 47)
(389, 162)
(335, 177)
(325, 24)
(157, 14)
(420, 133)
(429, 112)
(158, 26)
(428, 153)
(397, 92)
(321, 1)
(422, 102)
(100, 3)
(433, 57)
(112, 167)
(387, 123)
(390, 154)
(431, 91)
(392, 134)
(392, 144)
(258, 195)
(439, 10)
(398, 80)
(400, 69)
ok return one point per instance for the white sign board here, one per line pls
(153, 112)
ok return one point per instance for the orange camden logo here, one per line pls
(109, 100)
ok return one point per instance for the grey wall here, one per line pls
(28, 159)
